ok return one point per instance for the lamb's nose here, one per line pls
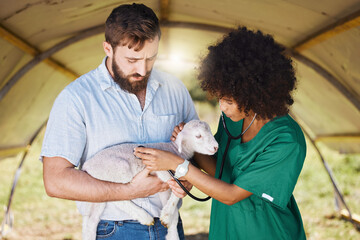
(215, 148)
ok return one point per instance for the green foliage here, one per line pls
(315, 195)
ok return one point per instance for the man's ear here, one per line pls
(108, 49)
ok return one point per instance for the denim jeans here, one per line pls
(133, 230)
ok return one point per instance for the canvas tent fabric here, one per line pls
(46, 44)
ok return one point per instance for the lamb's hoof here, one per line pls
(144, 218)
(172, 237)
(151, 224)
(164, 224)
(147, 222)
(165, 220)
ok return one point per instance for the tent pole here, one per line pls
(27, 48)
(342, 25)
(44, 55)
(338, 195)
(164, 10)
(7, 223)
(173, 24)
(329, 77)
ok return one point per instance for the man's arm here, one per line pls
(63, 180)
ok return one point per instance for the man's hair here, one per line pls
(251, 68)
(132, 25)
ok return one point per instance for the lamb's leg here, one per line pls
(91, 221)
(169, 209)
(136, 212)
(85, 221)
(164, 196)
(172, 230)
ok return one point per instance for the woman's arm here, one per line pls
(226, 193)
(223, 192)
(206, 162)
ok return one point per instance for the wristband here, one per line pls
(182, 169)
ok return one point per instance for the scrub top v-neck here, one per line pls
(267, 166)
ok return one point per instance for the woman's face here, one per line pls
(230, 108)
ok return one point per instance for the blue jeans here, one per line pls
(133, 230)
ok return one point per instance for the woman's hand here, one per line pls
(156, 160)
(176, 131)
(177, 190)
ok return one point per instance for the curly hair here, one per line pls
(252, 69)
(132, 25)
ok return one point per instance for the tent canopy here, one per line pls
(46, 44)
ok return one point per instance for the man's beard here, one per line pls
(124, 81)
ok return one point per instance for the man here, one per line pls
(124, 100)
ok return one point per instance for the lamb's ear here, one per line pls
(179, 140)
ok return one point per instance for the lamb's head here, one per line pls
(196, 136)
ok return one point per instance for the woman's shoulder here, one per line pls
(285, 129)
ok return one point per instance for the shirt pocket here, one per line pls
(162, 127)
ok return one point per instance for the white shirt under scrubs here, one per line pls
(93, 113)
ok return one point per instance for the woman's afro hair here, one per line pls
(252, 69)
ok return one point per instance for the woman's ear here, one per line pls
(108, 49)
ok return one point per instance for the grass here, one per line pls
(315, 194)
(39, 217)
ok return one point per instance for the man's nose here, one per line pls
(141, 68)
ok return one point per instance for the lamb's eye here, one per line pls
(198, 136)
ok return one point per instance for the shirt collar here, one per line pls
(106, 81)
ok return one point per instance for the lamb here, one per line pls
(118, 164)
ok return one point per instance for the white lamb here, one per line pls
(118, 164)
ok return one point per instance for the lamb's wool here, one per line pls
(118, 164)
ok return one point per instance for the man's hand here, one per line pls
(144, 185)
(176, 131)
(177, 190)
(62, 180)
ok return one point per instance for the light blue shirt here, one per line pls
(93, 113)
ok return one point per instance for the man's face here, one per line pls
(131, 69)
(125, 82)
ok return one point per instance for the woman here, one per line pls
(252, 78)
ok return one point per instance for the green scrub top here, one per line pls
(267, 166)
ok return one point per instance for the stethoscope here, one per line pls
(230, 137)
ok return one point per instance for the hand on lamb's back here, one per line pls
(145, 184)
